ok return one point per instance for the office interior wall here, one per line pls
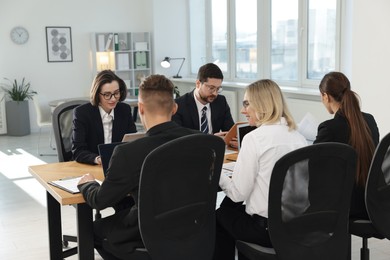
(364, 44)
(370, 58)
(55, 80)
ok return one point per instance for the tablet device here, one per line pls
(105, 152)
(132, 136)
(232, 133)
(242, 130)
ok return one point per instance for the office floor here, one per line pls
(23, 219)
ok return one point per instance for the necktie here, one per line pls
(204, 125)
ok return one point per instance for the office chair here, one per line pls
(377, 198)
(62, 118)
(42, 123)
(309, 198)
(177, 198)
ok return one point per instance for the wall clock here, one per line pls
(19, 35)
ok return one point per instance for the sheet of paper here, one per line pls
(308, 127)
(69, 184)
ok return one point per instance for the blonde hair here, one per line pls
(266, 98)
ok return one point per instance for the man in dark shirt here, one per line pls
(117, 236)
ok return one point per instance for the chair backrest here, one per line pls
(40, 120)
(309, 200)
(62, 119)
(177, 197)
(378, 188)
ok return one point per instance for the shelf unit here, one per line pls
(127, 54)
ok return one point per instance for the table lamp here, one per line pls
(166, 63)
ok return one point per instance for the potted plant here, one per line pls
(17, 111)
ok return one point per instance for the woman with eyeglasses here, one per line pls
(104, 120)
(274, 136)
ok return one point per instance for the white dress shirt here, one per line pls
(260, 150)
(208, 113)
(107, 124)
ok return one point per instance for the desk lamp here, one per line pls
(166, 63)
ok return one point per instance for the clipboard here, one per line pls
(68, 184)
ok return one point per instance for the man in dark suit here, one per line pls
(104, 120)
(117, 235)
(205, 97)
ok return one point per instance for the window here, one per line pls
(294, 42)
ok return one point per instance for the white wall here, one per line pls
(370, 68)
(170, 35)
(53, 80)
(364, 42)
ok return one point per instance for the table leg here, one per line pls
(54, 224)
(85, 232)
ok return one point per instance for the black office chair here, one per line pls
(377, 196)
(309, 198)
(177, 199)
(62, 118)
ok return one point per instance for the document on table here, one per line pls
(227, 168)
(69, 184)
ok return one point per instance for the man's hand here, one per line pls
(86, 178)
(221, 134)
(234, 143)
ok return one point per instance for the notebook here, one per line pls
(242, 130)
(232, 133)
(105, 152)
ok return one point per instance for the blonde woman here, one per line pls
(274, 136)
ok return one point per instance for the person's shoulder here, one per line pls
(121, 106)
(84, 108)
(185, 97)
(368, 116)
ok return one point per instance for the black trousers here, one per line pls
(233, 223)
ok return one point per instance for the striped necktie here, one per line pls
(204, 125)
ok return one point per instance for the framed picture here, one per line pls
(59, 44)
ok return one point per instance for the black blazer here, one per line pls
(187, 113)
(337, 130)
(88, 130)
(122, 179)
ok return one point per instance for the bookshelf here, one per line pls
(127, 54)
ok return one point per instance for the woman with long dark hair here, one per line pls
(350, 126)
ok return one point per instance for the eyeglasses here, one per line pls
(108, 95)
(213, 89)
(245, 103)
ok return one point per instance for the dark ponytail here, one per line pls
(338, 86)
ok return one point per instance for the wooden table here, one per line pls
(57, 198)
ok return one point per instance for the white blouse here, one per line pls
(260, 150)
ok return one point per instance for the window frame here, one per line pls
(264, 54)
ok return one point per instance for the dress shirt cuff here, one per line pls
(224, 181)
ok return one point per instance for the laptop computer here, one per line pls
(105, 152)
(242, 130)
(133, 136)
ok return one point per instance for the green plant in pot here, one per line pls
(17, 110)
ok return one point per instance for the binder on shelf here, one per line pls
(123, 61)
(140, 60)
(108, 43)
(116, 42)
